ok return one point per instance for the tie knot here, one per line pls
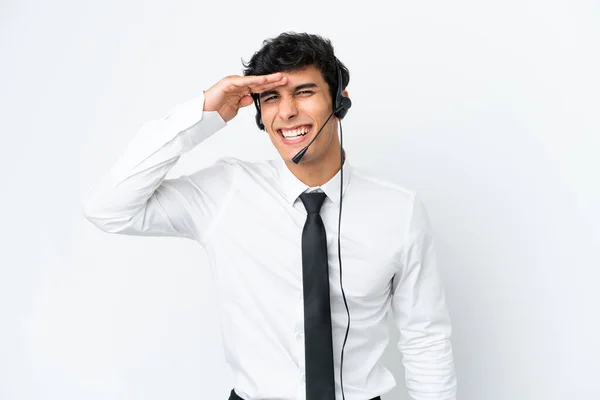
(313, 201)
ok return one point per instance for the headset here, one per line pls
(341, 105)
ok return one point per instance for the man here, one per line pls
(294, 327)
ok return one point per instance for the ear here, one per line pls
(345, 93)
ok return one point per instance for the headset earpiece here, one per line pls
(342, 103)
(259, 123)
(258, 118)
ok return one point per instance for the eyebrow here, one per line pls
(299, 87)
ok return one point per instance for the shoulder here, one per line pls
(232, 163)
(230, 168)
(249, 167)
(367, 180)
(397, 198)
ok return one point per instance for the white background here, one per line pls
(490, 110)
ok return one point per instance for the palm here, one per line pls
(233, 100)
(233, 92)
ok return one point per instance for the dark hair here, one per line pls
(291, 51)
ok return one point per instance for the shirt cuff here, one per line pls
(185, 115)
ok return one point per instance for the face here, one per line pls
(294, 113)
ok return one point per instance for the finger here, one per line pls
(268, 86)
(256, 80)
(246, 101)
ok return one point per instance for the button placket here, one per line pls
(299, 333)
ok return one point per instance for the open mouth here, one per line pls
(295, 135)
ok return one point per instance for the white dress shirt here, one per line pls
(249, 218)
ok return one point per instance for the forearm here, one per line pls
(421, 313)
(429, 368)
(118, 202)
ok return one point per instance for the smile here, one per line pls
(294, 135)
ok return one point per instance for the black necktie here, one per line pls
(320, 383)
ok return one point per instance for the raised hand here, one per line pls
(233, 92)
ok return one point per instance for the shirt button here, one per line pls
(299, 336)
(303, 378)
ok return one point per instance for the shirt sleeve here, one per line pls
(134, 198)
(421, 314)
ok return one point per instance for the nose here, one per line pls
(287, 109)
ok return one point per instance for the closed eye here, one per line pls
(270, 98)
(302, 92)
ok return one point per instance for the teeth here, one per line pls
(295, 132)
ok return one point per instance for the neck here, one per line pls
(318, 172)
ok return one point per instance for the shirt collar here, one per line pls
(294, 187)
